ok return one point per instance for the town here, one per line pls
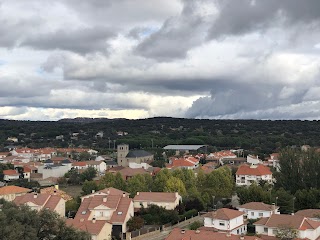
(193, 194)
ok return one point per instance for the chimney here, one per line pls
(82, 220)
(108, 192)
(137, 193)
(183, 231)
(228, 234)
(93, 191)
(123, 194)
(54, 192)
(273, 208)
(197, 231)
(35, 195)
(104, 199)
(56, 186)
(93, 220)
(242, 237)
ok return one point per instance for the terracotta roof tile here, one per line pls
(294, 221)
(257, 206)
(224, 214)
(13, 190)
(179, 234)
(94, 228)
(79, 164)
(309, 213)
(155, 196)
(52, 203)
(256, 170)
(116, 202)
(10, 172)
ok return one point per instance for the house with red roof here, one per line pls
(9, 193)
(182, 234)
(162, 199)
(108, 209)
(225, 220)
(306, 228)
(9, 175)
(38, 202)
(187, 162)
(255, 210)
(98, 229)
(106, 192)
(248, 174)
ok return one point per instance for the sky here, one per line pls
(217, 59)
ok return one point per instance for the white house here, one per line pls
(246, 175)
(306, 228)
(255, 210)
(9, 175)
(162, 199)
(100, 166)
(226, 220)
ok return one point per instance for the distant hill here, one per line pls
(88, 120)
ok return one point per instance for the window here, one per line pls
(260, 214)
(101, 214)
(252, 213)
(221, 223)
(238, 231)
(265, 230)
(274, 231)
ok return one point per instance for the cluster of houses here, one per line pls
(227, 223)
(102, 214)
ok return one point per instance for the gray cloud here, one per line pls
(247, 59)
(237, 17)
(176, 36)
(80, 40)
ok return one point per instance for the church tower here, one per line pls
(123, 150)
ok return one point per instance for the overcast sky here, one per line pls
(234, 59)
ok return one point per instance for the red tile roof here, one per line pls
(257, 206)
(156, 196)
(116, 202)
(253, 170)
(79, 164)
(10, 172)
(223, 154)
(294, 221)
(179, 234)
(309, 213)
(13, 190)
(94, 228)
(108, 191)
(180, 163)
(224, 214)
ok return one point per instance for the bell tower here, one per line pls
(123, 150)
